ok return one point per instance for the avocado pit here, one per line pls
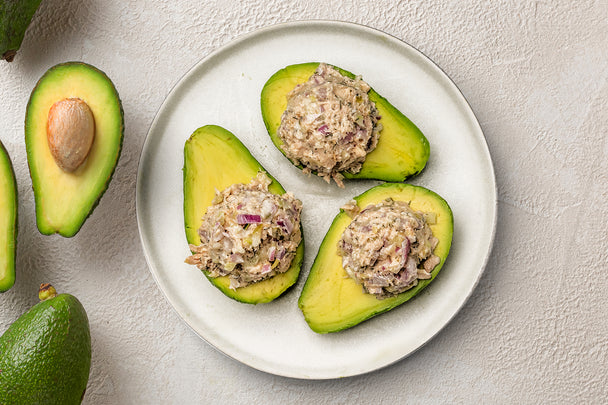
(70, 132)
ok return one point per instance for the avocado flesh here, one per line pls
(65, 200)
(215, 159)
(331, 300)
(45, 355)
(8, 221)
(402, 149)
(15, 17)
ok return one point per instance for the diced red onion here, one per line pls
(285, 224)
(405, 251)
(266, 268)
(406, 247)
(281, 253)
(409, 274)
(323, 129)
(242, 219)
(236, 258)
(271, 253)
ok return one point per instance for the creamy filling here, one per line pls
(388, 247)
(330, 124)
(248, 233)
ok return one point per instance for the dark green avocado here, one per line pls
(8, 221)
(15, 17)
(332, 301)
(215, 159)
(64, 200)
(402, 149)
(45, 355)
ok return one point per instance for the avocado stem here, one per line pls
(46, 292)
(9, 55)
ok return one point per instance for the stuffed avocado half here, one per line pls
(8, 221)
(401, 151)
(332, 301)
(215, 161)
(73, 136)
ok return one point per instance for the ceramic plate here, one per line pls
(224, 89)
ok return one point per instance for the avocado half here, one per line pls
(215, 159)
(65, 200)
(402, 149)
(332, 301)
(8, 221)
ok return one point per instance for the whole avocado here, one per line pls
(45, 355)
(15, 17)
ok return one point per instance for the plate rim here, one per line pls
(324, 23)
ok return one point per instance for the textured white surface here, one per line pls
(535, 73)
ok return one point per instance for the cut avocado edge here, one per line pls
(54, 212)
(214, 155)
(331, 301)
(402, 150)
(8, 221)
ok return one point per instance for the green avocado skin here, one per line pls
(45, 355)
(15, 17)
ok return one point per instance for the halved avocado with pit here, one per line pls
(215, 159)
(332, 301)
(402, 149)
(8, 221)
(64, 200)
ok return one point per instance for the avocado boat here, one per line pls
(66, 193)
(402, 149)
(45, 355)
(8, 221)
(332, 301)
(215, 159)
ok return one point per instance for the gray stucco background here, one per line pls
(535, 329)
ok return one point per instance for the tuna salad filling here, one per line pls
(330, 124)
(248, 233)
(388, 247)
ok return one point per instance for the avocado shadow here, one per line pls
(54, 32)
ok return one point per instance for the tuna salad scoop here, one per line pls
(388, 247)
(330, 124)
(248, 233)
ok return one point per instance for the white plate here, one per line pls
(224, 89)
